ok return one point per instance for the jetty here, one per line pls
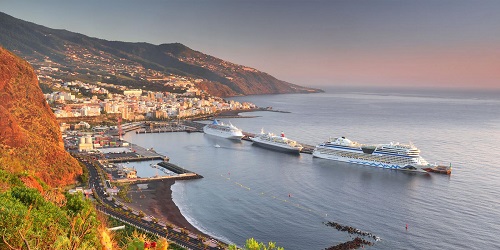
(132, 153)
(134, 158)
(181, 174)
(188, 176)
(165, 127)
(174, 168)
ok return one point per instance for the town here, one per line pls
(94, 86)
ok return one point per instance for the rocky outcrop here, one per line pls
(30, 139)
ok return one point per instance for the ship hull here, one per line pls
(223, 134)
(275, 147)
(366, 162)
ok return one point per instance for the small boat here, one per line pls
(440, 169)
(217, 145)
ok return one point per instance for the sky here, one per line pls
(405, 43)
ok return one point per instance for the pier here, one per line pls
(165, 130)
(187, 176)
(182, 174)
(165, 127)
(174, 168)
(196, 125)
(134, 159)
(136, 153)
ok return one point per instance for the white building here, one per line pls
(132, 92)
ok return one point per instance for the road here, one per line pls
(110, 208)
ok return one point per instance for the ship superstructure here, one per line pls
(391, 155)
(280, 143)
(220, 129)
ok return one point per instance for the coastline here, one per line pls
(236, 113)
(157, 201)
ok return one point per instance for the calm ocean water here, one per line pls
(253, 192)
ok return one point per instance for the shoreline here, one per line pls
(157, 201)
(236, 113)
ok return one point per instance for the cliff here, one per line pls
(30, 139)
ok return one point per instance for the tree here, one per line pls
(252, 244)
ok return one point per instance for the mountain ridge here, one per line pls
(217, 77)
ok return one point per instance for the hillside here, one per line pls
(130, 64)
(30, 140)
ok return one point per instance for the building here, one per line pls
(85, 144)
(130, 173)
(132, 92)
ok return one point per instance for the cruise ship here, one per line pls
(279, 143)
(390, 156)
(222, 130)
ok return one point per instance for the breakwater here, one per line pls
(134, 153)
(187, 176)
(174, 168)
(135, 158)
(165, 130)
(180, 174)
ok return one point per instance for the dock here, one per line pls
(165, 130)
(165, 127)
(135, 158)
(188, 176)
(137, 153)
(196, 125)
(174, 168)
(182, 174)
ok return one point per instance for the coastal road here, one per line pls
(97, 185)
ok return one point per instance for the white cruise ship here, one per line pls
(280, 143)
(391, 156)
(222, 130)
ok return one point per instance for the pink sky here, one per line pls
(416, 43)
(473, 66)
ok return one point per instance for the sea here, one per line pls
(252, 192)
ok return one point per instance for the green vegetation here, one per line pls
(30, 220)
(46, 89)
(84, 177)
(252, 244)
(124, 188)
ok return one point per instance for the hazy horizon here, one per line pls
(444, 44)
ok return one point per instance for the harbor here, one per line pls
(364, 155)
(116, 160)
(131, 153)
